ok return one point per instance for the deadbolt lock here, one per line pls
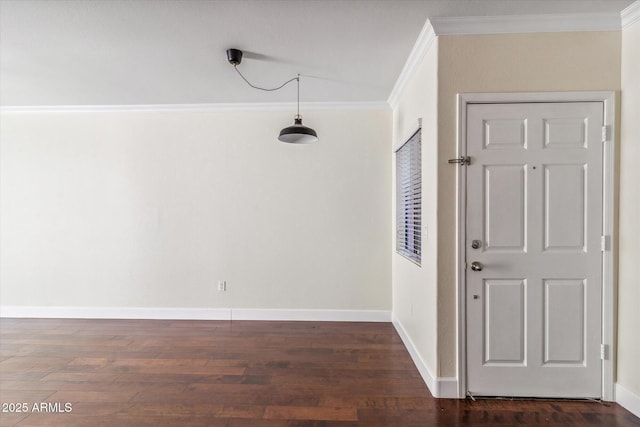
(476, 244)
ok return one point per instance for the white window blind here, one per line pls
(409, 198)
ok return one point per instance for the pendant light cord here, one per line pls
(298, 111)
(275, 88)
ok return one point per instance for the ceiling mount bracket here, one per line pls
(234, 56)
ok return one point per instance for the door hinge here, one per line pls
(604, 243)
(604, 352)
(462, 160)
(605, 133)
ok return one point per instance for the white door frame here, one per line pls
(609, 211)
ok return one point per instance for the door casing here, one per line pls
(608, 98)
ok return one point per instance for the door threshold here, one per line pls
(599, 401)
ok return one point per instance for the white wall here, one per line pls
(415, 287)
(151, 209)
(629, 231)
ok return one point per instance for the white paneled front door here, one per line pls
(533, 249)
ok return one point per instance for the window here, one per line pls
(409, 198)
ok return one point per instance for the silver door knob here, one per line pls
(476, 266)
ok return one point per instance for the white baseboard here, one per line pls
(194, 314)
(447, 387)
(427, 376)
(627, 399)
(150, 313)
(440, 387)
(312, 315)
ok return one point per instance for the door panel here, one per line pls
(505, 134)
(564, 203)
(564, 326)
(505, 213)
(504, 317)
(565, 133)
(534, 199)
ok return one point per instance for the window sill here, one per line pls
(408, 258)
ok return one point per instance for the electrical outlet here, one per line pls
(222, 285)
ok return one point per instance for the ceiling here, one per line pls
(133, 52)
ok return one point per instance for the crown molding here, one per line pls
(420, 48)
(507, 24)
(512, 24)
(433, 27)
(631, 14)
(194, 108)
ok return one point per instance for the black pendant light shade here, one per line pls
(298, 133)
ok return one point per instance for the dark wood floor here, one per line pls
(265, 374)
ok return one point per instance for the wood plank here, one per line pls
(311, 413)
(239, 374)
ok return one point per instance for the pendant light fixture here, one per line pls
(296, 133)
